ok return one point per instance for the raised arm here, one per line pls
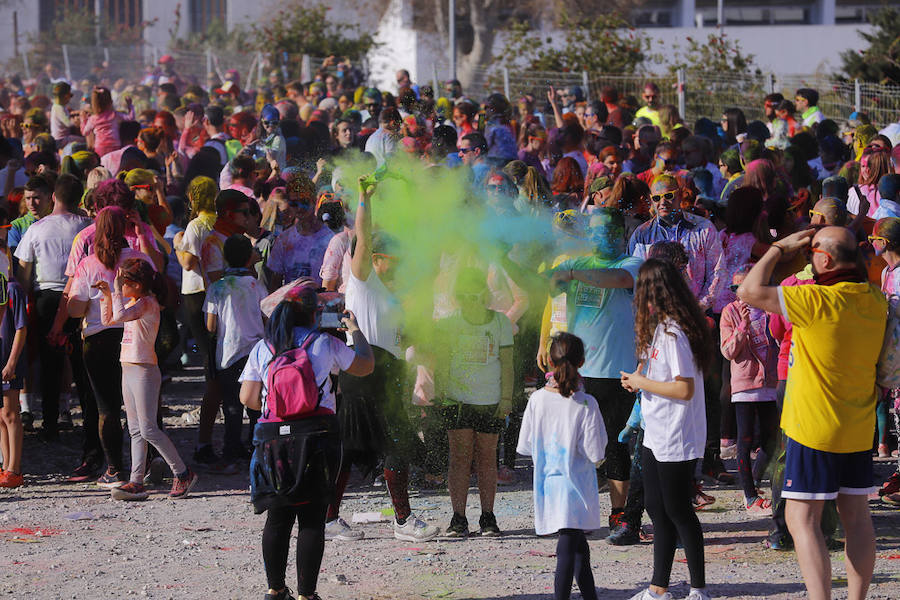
(755, 290)
(361, 262)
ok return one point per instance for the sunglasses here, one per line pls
(734, 287)
(532, 138)
(142, 186)
(494, 189)
(467, 150)
(872, 238)
(384, 256)
(269, 123)
(813, 250)
(813, 213)
(29, 126)
(661, 197)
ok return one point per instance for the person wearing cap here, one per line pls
(770, 103)
(167, 64)
(650, 110)
(599, 190)
(149, 189)
(599, 299)
(270, 135)
(374, 407)
(298, 251)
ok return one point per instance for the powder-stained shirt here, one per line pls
(699, 238)
(296, 255)
(141, 320)
(83, 244)
(47, 244)
(234, 299)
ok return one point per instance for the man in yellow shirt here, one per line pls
(650, 96)
(829, 408)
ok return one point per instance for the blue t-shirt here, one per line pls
(603, 318)
(14, 318)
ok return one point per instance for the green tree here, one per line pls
(880, 62)
(717, 55)
(216, 36)
(600, 43)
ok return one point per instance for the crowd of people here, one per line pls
(710, 290)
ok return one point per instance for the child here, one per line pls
(754, 379)
(12, 331)
(137, 281)
(563, 432)
(234, 317)
(674, 343)
(103, 121)
(475, 377)
(60, 123)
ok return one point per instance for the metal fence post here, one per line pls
(25, 63)
(585, 86)
(857, 95)
(770, 82)
(305, 68)
(106, 55)
(209, 64)
(434, 81)
(506, 81)
(65, 51)
(681, 98)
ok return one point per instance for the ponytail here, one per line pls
(566, 355)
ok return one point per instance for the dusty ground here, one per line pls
(208, 546)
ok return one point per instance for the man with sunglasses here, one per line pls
(665, 160)
(829, 411)
(651, 97)
(372, 102)
(770, 103)
(473, 148)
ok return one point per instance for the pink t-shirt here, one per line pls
(105, 128)
(141, 319)
(336, 264)
(88, 272)
(83, 244)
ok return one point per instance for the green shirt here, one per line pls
(18, 227)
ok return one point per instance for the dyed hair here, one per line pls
(566, 355)
(879, 165)
(139, 271)
(109, 237)
(113, 192)
(662, 294)
(760, 174)
(301, 187)
(151, 137)
(670, 251)
(731, 158)
(567, 177)
(535, 188)
(888, 228)
(201, 192)
(298, 311)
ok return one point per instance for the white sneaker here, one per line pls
(646, 595)
(415, 530)
(698, 595)
(339, 530)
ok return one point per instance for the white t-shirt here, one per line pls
(295, 255)
(327, 355)
(762, 394)
(195, 235)
(47, 244)
(234, 299)
(675, 430)
(336, 262)
(474, 376)
(565, 438)
(377, 311)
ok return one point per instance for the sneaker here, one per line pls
(759, 506)
(506, 476)
(111, 479)
(182, 485)
(615, 518)
(623, 535)
(892, 498)
(459, 527)
(728, 449)
(65, 421)
(891, 486)
(339, 530)
(205, 455)
(8, 479)
(487, 523)
(646, 595)
(155, 472)
(84, 472)
(27, 421)
(698, 594)
(780, 542)
(130, 491)
(415, 530)
(883, 451)
(284, 594)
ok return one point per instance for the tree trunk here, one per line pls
(470, 66)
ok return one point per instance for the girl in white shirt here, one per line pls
(675, 344)
(563, 432)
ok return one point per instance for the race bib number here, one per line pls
(474, 349)
(588, 296)
(558, 310)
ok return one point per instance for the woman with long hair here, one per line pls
(292, 491)
(102, 342)
(674, 343)
(568, 184)
(874, 164)
(669, 120)
(734, 123)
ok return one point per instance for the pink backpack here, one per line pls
(292, 391)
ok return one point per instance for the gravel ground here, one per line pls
(64, 540)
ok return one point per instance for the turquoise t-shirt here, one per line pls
(603, 318)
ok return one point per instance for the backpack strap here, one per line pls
(311, 337)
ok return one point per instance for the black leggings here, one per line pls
(668, 488)
(747, 413)
(276, 542)
(101, 361)
(573, 559)
(615, 406)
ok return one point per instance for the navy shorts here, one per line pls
(818, 475)
(477, 417)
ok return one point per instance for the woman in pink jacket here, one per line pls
(103, 121)
(754, 359)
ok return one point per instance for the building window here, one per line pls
(127, 13)
(204, 12)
